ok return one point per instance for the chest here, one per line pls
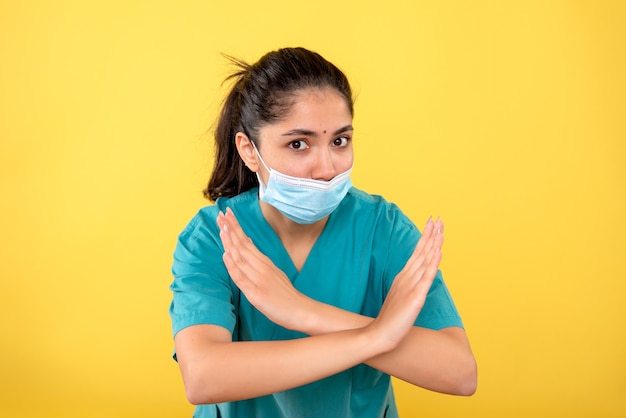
(299, 253)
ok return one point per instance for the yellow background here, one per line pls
(505, 118)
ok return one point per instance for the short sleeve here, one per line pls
(439, 310)
(202, 291)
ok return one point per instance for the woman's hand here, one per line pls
(409, 290)
(264, 284)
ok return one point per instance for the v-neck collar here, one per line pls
(284, 261)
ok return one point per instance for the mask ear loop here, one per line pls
(260, 158)
(262, 186)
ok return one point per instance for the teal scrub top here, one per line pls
(364, 245)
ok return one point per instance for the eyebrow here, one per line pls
(308, 132)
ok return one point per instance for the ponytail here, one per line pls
(230, 175)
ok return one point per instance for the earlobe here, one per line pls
(246, 151)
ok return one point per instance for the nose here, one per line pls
(324, 167)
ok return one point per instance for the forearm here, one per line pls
(215, 372)
(436, 360)
(441, 361)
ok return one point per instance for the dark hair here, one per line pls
(263, 93)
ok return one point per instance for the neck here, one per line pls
(289, 231)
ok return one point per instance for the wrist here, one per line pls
(309, 318)
(320, 318)
(379, 339)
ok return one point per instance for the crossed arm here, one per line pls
(215, 369)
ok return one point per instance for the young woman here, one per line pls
(295, 294)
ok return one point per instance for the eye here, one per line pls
(341, 141)
(298, 144)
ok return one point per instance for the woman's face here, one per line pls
(313, 141)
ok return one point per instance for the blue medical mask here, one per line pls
(304, 201)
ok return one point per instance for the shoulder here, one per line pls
(374, 209)
(372, 219)
(204, 219)
(357, 199)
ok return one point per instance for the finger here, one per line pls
(435, 238)
(426, 242)
(231, 242)
(220, 220)
(438, 229)
(234, 238)
(427, 271)
(242, 272)
(236, 274)
(431, 269)
(437, 241)
(225, 235)
(242, 241)
(225, 227)
(234, 226)
(425, 253)
(246, 258)
(416, 258)
(424, 246)
(231, 256)
(238, 235)
(230, 247)
(426, 233)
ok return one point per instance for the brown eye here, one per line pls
(342, 141)
(298, 144)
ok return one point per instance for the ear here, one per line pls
(246, 151)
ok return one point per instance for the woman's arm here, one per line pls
(437, 360)
(215, 369)
(441, 360)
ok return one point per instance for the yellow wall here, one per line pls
(505, 118)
